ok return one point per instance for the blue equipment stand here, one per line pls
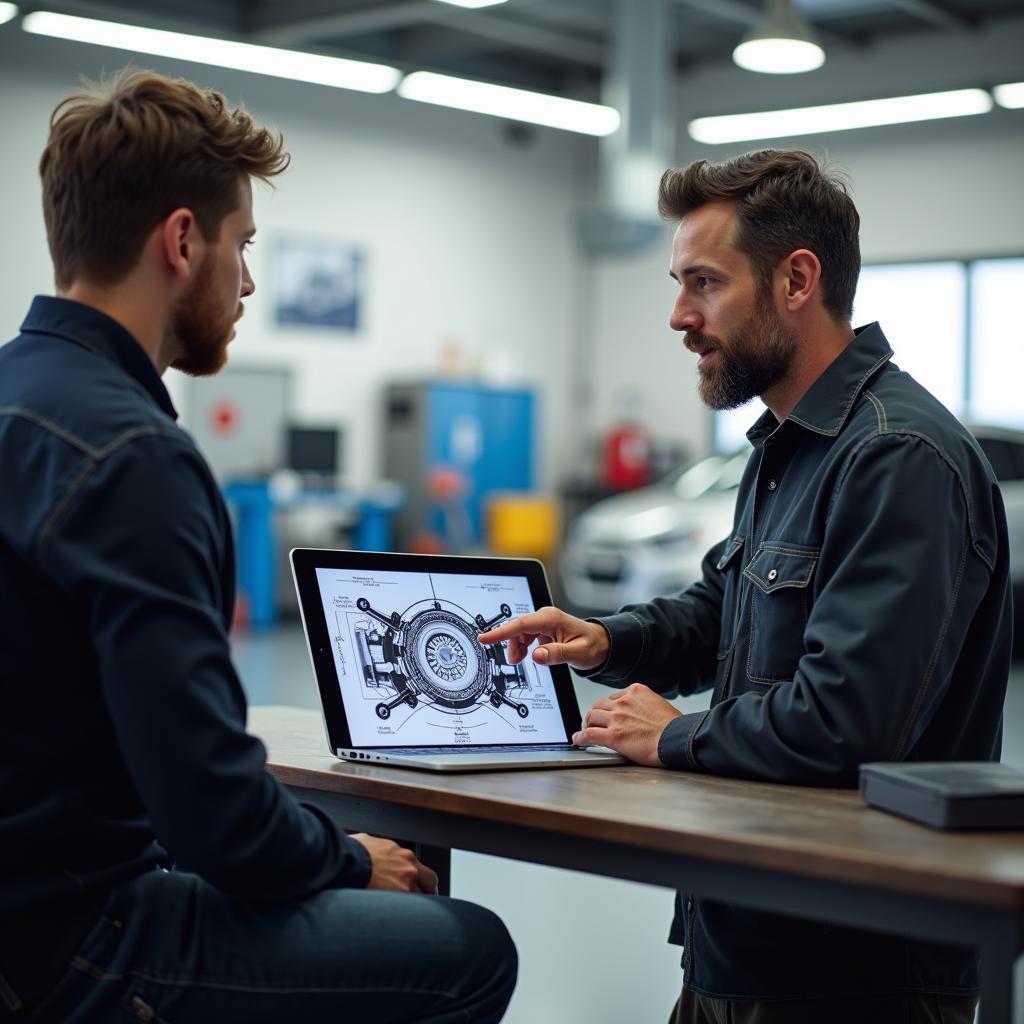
(256, 544)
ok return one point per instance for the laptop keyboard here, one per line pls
(509, 749)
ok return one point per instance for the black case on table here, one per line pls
(947, 794)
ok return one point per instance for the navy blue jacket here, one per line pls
(122, 721)
(859, 611)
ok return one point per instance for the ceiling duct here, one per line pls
(637, 83)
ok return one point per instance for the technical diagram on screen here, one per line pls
(412, 671)
(430, 653)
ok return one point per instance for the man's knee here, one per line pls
(496, 964)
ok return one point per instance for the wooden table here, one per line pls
(814, 853)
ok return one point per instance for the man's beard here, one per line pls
(201, 328)
(752, 359)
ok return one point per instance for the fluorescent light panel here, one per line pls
(514, 104)
(1010, 95)
(473, 3)
(260, 60)
(8, 11)
(836, 117)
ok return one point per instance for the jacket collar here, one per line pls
(827, 403)
(89, 328)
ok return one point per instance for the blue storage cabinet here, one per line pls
(485, 433)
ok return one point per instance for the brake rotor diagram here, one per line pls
(429, 655)
(411, 670)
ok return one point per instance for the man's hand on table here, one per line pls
(564, 639)
(629, 721)
(396, 868)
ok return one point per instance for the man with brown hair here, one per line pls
(858, 611)
(122, 721)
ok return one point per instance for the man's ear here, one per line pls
(180, 242)
(803, 275)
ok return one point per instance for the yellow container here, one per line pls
(523, 524)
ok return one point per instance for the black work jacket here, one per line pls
(122, 721)
(859, 611)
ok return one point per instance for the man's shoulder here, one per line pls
(76, 397)
(899, 421)
(897, 410)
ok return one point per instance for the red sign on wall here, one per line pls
(224, 417)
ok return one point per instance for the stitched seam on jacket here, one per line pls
(883, 423)
(934, 660)
(812, 556)
(849, 405)
(771, 680)
(50, 427)
(690, 756)
(783, 550)
(62, 506)
(643, 642)
(97, 456)
(730, 554)
(841, 478)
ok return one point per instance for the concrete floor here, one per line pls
(591, 949)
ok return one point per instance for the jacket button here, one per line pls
(772, 485)
(773, 574)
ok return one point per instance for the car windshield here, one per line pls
(712, 475)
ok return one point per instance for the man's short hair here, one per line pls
(785, 200)
(126, 152)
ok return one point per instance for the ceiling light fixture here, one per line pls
(838, 117)
(781, 43)
(7, 12)
(261, 60)
(1010, 95)
(473, 3)
(513, 104)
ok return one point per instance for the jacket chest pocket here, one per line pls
(779, 605)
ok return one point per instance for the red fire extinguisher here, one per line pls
(626, 457)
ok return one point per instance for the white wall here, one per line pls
(467, 237)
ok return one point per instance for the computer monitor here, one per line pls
(313, 450)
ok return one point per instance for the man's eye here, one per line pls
(247, 245)
(703, 282)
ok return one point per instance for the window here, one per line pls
(921, 307)
(997, 342)
(953, 325)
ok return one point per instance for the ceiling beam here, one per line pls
(743, 14)
(724, 10)
(930, 12)
(523, 35)
(304, 23)
(320, 22)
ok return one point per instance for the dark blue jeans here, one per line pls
(171, 949)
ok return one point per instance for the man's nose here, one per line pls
(248, 284)
(684, 317)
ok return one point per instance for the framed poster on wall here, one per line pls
(318, 282)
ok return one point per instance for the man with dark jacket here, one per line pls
(122, 721)
(858, 611)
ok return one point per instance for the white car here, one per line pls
(651, 541)
(637, 545)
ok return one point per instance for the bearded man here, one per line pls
(122, 720)
(858, 611)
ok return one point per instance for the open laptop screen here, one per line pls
(398, 648)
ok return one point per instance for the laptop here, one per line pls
(403, 679)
